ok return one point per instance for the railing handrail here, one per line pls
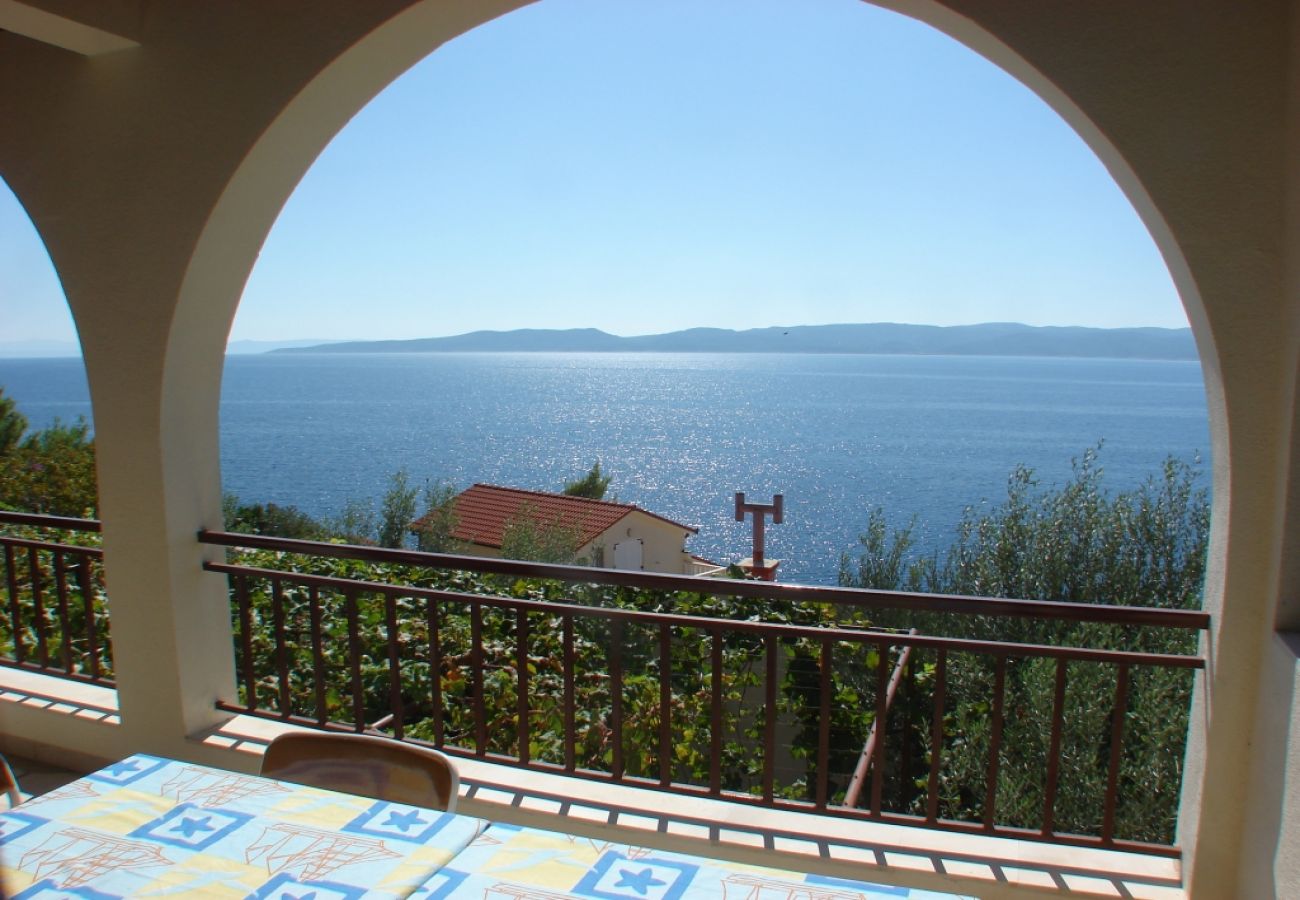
(52, 546)
(705, 623)
(40, 520)
(654, 581)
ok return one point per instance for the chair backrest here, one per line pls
(9, 786)
(378, 767)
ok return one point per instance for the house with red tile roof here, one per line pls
(607, 534)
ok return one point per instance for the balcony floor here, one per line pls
(987, 867)
(36, 778)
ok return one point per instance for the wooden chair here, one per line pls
(9, 785)
(378, 767)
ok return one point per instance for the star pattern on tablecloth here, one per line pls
(641, 882)
(125, 767)
(399, 822)
(190, 827)
(619, 876)
(404, 821)
(131, 770)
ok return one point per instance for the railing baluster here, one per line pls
(906, 762)
(1054, 751)
(769, 719)
(715, 723)
(1116, 753)
(61, 595)
(476, 662)
(246, 642)
(394, 666)
(38, 607)
(665, 704)
(879, 725)
(281, 647)
(521, 692)
(318, 654)
(435, 668)
(570, 723)
(15, 608)
(995, 743)
(354, 661)
(616, 696)
(824, 729)
(936, 736)
(86, 586)
(871, 759)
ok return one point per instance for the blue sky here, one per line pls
(648, 165)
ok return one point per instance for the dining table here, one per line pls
(153, 827)
(511, 862)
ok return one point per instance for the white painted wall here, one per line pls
(662, 543)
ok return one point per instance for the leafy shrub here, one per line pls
(1077, 543)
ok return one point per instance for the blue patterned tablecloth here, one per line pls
(150, 827)
(507, 862)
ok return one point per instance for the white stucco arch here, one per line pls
(258, 188)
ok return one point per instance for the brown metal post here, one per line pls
(760, 511)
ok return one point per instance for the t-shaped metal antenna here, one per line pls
(760, 511)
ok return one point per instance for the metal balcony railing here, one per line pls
(54, 619)
(1061, 722)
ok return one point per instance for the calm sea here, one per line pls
(680, 433)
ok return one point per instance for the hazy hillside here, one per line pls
(991, 339)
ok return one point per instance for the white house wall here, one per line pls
(662, 543)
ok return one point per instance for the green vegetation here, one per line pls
(397, 510)
(272, 519)
(357, 523)
(528, 537)
(1144, 547)
(593, 485)
(1078, 543)
(437, 527)
(12, 423)
(50, 471)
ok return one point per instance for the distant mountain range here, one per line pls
(990, 339)
(244, 347)
(52, 349)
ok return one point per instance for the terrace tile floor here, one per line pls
(36, 778)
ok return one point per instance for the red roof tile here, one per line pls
(484, 510)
